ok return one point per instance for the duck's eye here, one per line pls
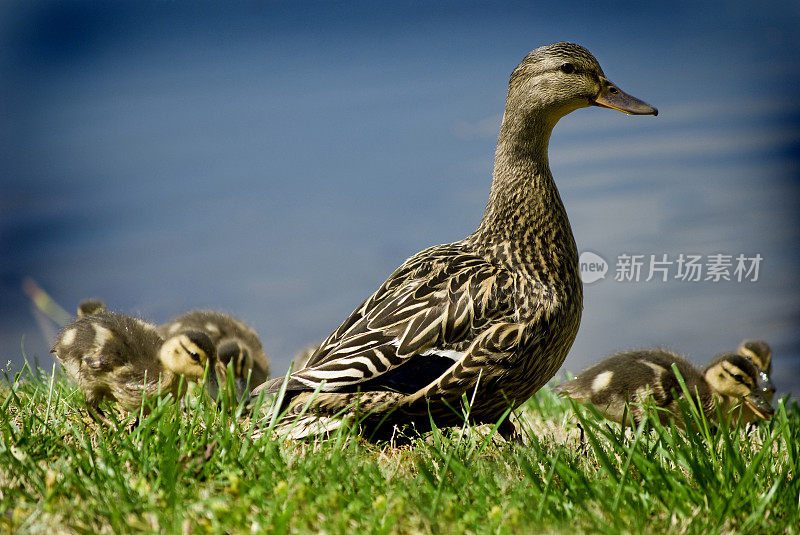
(739, 378)
(567, 68)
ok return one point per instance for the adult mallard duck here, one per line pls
(624, 381)
(491, 316)
(760, 354)
(120, 358)
(236, 343)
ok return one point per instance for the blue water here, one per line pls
(278, 163)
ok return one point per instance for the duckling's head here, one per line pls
(760, 354)
(734, 376)
(88, 307)
(188, 353)
(560, 78)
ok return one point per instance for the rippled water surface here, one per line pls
(279, 163)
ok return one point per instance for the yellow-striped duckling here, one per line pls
(120, 358)
(760, 354)
(745, 392)
(236, 343)
(630, 377)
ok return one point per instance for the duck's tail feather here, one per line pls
(307, 425)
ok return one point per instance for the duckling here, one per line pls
(120, 358)
(736, 384)
(632, 376)
(760, 354)
(87, 307)
(491, 316)
(235, 341)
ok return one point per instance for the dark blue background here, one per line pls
(279, 160)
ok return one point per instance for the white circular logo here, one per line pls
(592, 266)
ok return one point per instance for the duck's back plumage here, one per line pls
(446, 323)
(426, 313)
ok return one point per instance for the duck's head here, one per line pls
(760, 354)
(734, 376)
(189, 354)
(560, 78)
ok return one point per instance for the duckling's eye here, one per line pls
(739, 378)
(194, 356)
(567, 68)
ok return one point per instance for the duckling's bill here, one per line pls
(611, 96)
(215, 374)
(760, 406)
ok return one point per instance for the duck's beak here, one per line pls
(760, 406)
(610, 96)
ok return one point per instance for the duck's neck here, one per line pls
(525, 222)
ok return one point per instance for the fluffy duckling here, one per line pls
(631, 376)
(87, 307)
(120, 358)
(736, 381)
(236, 343)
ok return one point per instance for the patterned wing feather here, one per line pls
(413, 328)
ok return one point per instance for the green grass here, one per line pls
(196, 470)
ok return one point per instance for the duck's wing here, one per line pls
(412, 329)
